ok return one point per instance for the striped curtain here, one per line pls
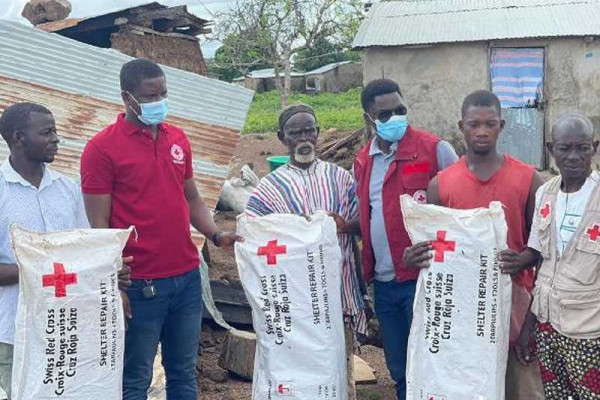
(517, 76)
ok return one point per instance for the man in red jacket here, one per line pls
(400, 159)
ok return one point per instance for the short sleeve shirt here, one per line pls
(568, 211)
(56, 205)
(146, 181)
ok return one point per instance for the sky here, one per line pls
(11, 9)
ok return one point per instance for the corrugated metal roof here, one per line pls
(328, 67)
(402, 23)
(79, 117)
(79, 83)
(32, 55)
(269, 73)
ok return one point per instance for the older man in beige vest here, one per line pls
(566, 297)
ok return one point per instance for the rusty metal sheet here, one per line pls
(34, 56)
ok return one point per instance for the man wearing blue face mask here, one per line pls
(400, 159)
(138, 171)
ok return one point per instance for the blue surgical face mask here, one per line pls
(152, 113)
(393, 129)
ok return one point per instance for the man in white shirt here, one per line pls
(33, 197)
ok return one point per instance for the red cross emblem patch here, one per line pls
(420, 196)
(545, 211)
(593, 232)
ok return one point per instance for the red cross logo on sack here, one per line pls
(545, 211)
(441, 245)
(271, 251)
(60, 280)
(593, 232)
(435, 397)
(285, 389)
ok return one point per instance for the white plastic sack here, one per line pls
(458, 344)
(69, 329)
(236, 191)
(290, 269)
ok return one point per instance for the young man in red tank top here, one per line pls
(480, 177)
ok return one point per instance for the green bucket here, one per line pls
(277, 161)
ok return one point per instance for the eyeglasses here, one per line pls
(385, 115)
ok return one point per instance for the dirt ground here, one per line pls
(255, 149)
(215, 383)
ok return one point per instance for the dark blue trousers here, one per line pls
(393, 307)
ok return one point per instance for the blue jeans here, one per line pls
(393, 307)
(173, 318)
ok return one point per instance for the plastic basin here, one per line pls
(277, 161)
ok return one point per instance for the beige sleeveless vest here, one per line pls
(567, 290)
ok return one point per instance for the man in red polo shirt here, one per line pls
(138, 171)
(400, 159)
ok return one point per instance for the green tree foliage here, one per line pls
(278, 29)
(321, 53)
(231, 62)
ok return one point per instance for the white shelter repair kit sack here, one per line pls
(458, 343)
(290, 269)
(69, 329)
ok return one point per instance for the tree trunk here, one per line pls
(278, 83)
(237, 354)
(239, 349)
(287, 80)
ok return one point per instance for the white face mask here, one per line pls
(304, 158)
(152, 113)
